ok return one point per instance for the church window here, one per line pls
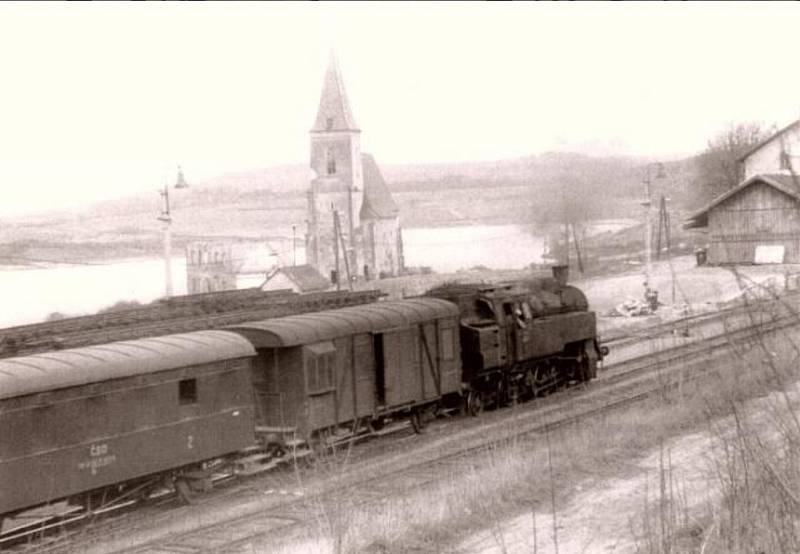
(331, 162)
(329, 123)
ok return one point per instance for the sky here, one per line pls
(102, 100)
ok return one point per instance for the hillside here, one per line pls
(265, 203)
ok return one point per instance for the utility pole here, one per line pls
(651, 295)
(294, 245)
(663, 224)
(339, 237)
(336, 247)
(166, 218)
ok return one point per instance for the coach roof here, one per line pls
(91, 364)
(320, 326)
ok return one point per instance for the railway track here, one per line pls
(260, 517)
(176, 315)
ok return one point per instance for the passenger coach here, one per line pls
(332, 373)
(127, 414)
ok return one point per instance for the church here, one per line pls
(353, 221)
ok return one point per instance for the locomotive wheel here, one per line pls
(500, 394)
(474, 403)
(541, 378)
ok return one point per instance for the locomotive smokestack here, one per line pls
(561, 274)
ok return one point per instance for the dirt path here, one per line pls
(620, 515)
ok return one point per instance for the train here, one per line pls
(113, 422)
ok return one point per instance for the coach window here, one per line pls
(187, 391)
(320, 367)
(448, 350)
(527, 312)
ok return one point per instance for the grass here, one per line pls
(500, 482)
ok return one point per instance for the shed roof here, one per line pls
(378, 202)
(116, 360)
(782, 182)
(321, 326)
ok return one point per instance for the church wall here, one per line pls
(382, 253)
(325, 194)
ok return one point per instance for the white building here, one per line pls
(226, 265)
(775, 155)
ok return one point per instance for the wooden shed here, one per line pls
(758, 221)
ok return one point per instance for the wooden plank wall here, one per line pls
(759, 214)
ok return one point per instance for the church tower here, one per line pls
(336, 192)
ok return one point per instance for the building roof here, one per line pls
(306, 277)
(782, 182)
(321, 326)
(378, 202)
(768, 139)
(333, 104)
(252, 258)
(92, 364)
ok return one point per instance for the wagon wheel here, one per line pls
(474, 403)
(376, 424)
(320, 444)
(184, 490)
(418, 421)
(276, 450)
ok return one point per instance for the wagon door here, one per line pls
(428, 358)
(319, 363)
(365, 373)
(401, 372)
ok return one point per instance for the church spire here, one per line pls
(334, 110)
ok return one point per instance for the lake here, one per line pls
(29, 295)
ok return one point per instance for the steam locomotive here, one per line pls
(102, 423)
